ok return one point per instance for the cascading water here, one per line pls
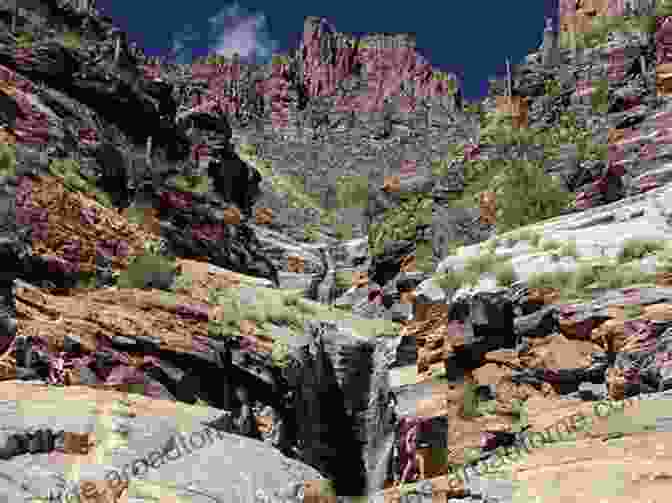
(327, 287)
(380, 439)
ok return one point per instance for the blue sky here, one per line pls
(470, 38)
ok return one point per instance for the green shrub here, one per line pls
(552, 87)
(490, 246)
(424, 256)
(311, 232)
(183, 281)
(24, 40)
(86, 281)
(352, 191)
(449, 280)
(343, 279)
(7, 160)
(69, 171)
(535, 238)
(528, 235)
(343, 232)
(634, 249)
(633, 311)
(556, 279)
(481, 264)
(585, 275)
(280, 353)
(143, 269)
(526, 195)
(71, 40)
(568, 249)
(470, 405)
(401, 223)
(600, 97)
(199, 184)
(505, 274)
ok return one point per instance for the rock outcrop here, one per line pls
(132, 269)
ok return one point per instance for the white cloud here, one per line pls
(234, 29)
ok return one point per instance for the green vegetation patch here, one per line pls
(638, 248)
(473, 269)
(286, 308)
(591, 275)
(7, 160)
(70, 40)
(526, 195)
(198, 184)
(401, 223)
(352, 191)
(142, 269)
(73, 179)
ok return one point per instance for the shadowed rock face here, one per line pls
(236, 181)
(114, 174)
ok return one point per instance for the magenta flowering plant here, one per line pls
(193, 311)
(375, 296)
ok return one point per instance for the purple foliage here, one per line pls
(642, 331)
(647, 183)
(59, 265)
(122, 248)
(173, 199)
(208, 232)
(200, 344)
(632, 375)
(488, 440)
(471, 152)
(247, 343)
(193, 311)
(124, 374)
(71, 250)
(375, 296)
(88, 216)
(106, 247)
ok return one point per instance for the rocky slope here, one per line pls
(320, 231)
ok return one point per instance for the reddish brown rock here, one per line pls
(67, 213)
(263, 216)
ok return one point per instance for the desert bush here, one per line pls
(633, 311)
(600, 98)
(470, 403)
(280, 354)
(568, 249)
(424, 256)
(343, 279)
(401, 223)
(148, 270)
(311, 232)
(528, 235)
(634, 249)
(489, 246)
(7, 160)
(343, 232)
(352, 191)
(556, 279)
(69, 171)
(526, 195)
(585, 275)
(481, 264)
(199, 184)
(552, 87)
(449, 280)
(183, 281)
(505, 274)
(70, 40)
